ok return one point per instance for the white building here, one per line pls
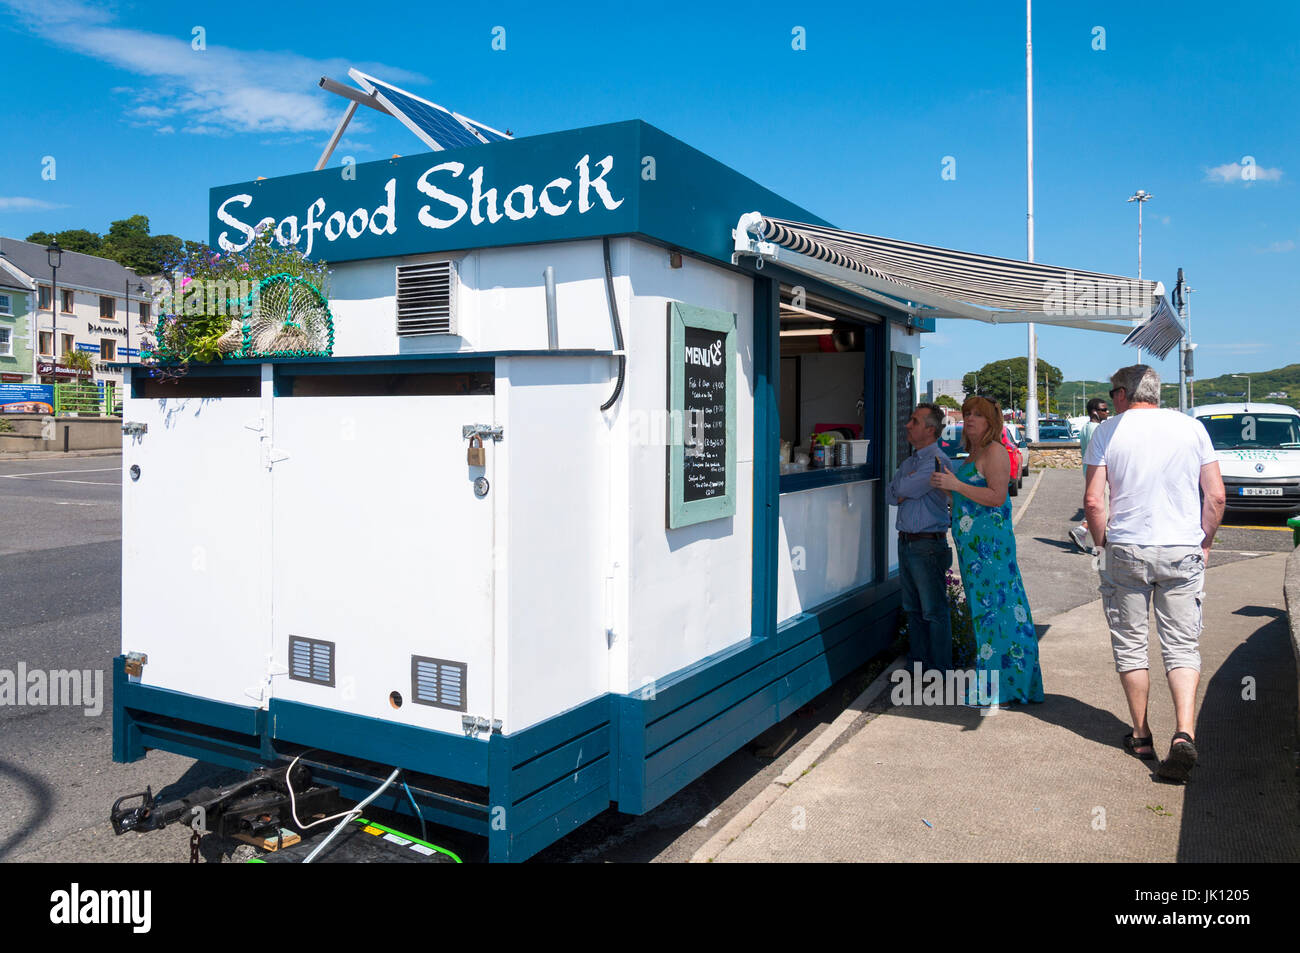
(94, 295)
(937, 388)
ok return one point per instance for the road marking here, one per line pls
(1271, 529)
(1025, 505)
(84, 482)
(73, 503)
(20, 476)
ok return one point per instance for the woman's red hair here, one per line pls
(982, 407)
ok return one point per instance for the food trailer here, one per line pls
(539, 531)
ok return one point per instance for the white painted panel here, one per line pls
(500, 300)
(194, 541)
(381, 546)
(690, 588)
(826, 545)
(556, 534)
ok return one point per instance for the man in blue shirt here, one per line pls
(923, 552)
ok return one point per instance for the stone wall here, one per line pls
(1054, 456)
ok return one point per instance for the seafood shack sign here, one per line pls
(623, 178)
(563, 186)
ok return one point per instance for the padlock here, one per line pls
(477, 455)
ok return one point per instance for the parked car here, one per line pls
(951, 444)
(1054, 433)
(1258, 446)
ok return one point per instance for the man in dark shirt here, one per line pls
(923, 552)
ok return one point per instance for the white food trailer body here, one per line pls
(311, 562)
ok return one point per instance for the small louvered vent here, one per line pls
(426, 298)
(438, 682)
(311, 660)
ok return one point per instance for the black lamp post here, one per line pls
(55, 254)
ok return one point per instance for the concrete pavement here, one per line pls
(1051, 782)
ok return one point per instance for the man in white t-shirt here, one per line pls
(1166, 501)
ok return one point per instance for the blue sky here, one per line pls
(855, 127)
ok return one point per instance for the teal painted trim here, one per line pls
(680, 511)
(338, 365)
(133, 695)
(673, 767)
(432, 752)
(541, 771)
(560, 794)
(693, 200)
(767, 443)
(660, 188)
(830, 476)
(877, 383)
(564, 821)
(627, 785)
(127, 746)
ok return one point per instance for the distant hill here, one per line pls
(1214, 390)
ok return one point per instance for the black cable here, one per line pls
(618, 328)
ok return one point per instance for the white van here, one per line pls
(1258, 447)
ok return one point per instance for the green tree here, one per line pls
(72, 239)
(1005, 381)
(943, 400)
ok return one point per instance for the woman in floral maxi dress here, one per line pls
(1006, 645)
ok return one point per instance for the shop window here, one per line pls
(828, 353)
(385, 385)
(68, 300)
(47, 342)
(108, 349)
(107, 308)
(197, 386)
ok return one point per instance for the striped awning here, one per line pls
(927, 281)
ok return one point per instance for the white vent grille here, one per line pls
(438, 682)
(311, 660)
(426, 298)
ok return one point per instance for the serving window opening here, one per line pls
(831, 394)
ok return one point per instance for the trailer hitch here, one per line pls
(257, 805)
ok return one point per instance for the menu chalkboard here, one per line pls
(704, 466)
(702, 407)
(904, 404)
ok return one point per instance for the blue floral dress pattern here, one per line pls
(1005, 640)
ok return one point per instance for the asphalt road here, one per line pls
(60, 568)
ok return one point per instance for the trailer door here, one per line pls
(195, 534)
(382, 555)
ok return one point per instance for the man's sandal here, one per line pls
(1131, 744)
(1181, 760)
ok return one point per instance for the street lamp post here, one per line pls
(1140, 197)
(55, 255)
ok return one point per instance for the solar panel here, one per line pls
(438, 127)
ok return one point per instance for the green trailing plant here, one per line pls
(6, 425)
(209, 305)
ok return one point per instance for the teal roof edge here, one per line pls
(613, 179)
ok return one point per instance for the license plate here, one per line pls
(1261, 491)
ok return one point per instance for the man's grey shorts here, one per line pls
(1175, 575)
